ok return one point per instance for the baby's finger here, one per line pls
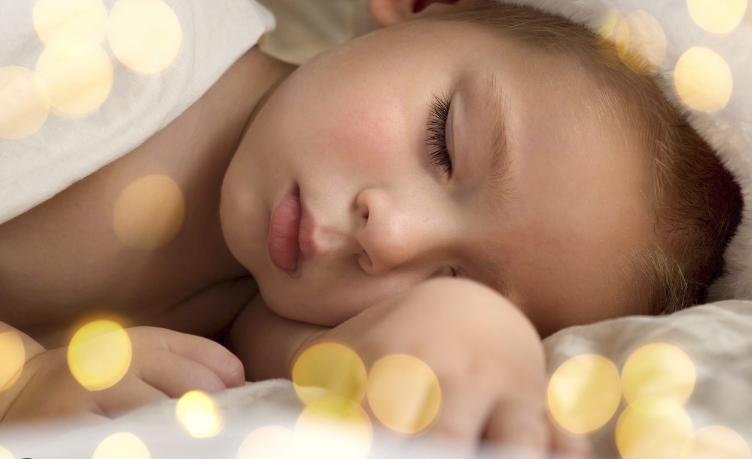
(518, 427)
(128, 394)
(462, 415)
(212, 355)
(175, 375)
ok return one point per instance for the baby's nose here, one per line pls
(390, 234)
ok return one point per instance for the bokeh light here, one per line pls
(703, 80)
(658, 370)
(70, 19)
(269, 442)
(404, 393)
(329, 368)
(333, 427)
(715, 442)
(12, 359)
(149, 212)
(584, 393)
(641, 42)
(78, 74)
(122, 445)
(5, 454)
(610, 24)
(717, 16)
(145, 35)
(652, 428)
(99, 354)
(196, 411)
(24, 102)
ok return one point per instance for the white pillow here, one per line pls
(308, 27)
(717, 337)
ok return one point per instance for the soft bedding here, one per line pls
(717, 337)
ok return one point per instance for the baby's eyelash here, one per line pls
(437, 137)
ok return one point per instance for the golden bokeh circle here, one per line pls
(717, 16)
(196, 411)
(268, 442)
(703, 80)
(329, 368)
(12, 358)
(715, 442)
(24, 102)
(333, 427)
(78, 74)
(99, 354)
(149, 212)
(610, 24)
(122, 445)
(404, 393)
(641, 42)
(652, 428)
(70, 19)
(5, 454)
(658, 370)
(145, 35)
(584, 393)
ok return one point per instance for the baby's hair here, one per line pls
(697, 204)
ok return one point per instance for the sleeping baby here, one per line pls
(464, 181)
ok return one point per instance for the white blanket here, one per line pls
(213, 35)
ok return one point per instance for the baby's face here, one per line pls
(350, 128)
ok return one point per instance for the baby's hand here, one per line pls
(487, 357)
(165, 364)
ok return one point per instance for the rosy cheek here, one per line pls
(368, 135)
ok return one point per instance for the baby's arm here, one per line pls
(13, 360)
(486, 354)
(266, 343)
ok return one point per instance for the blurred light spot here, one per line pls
(149, 212)
(144, 34)
(328, 368)
(196, 411)
(641, 43)
(78, 74)
(24, 102)
(70, 19)
(703, 80)
(715, 442)
(5, 454)
(658, 370)
(270, 442)
(333, 427)
(652, 428)
(12, 359)
(99, 354)
(584, 393)
(122, 445)
(717, 16)
(404, 393)
(610, 24)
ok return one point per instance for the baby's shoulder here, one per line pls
(140, 235)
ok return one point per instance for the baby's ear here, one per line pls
(390, 12)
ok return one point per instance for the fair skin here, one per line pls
(350, 128)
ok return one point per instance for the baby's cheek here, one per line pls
(369, 138)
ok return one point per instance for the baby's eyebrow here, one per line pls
(499, 171)
(499, 155)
